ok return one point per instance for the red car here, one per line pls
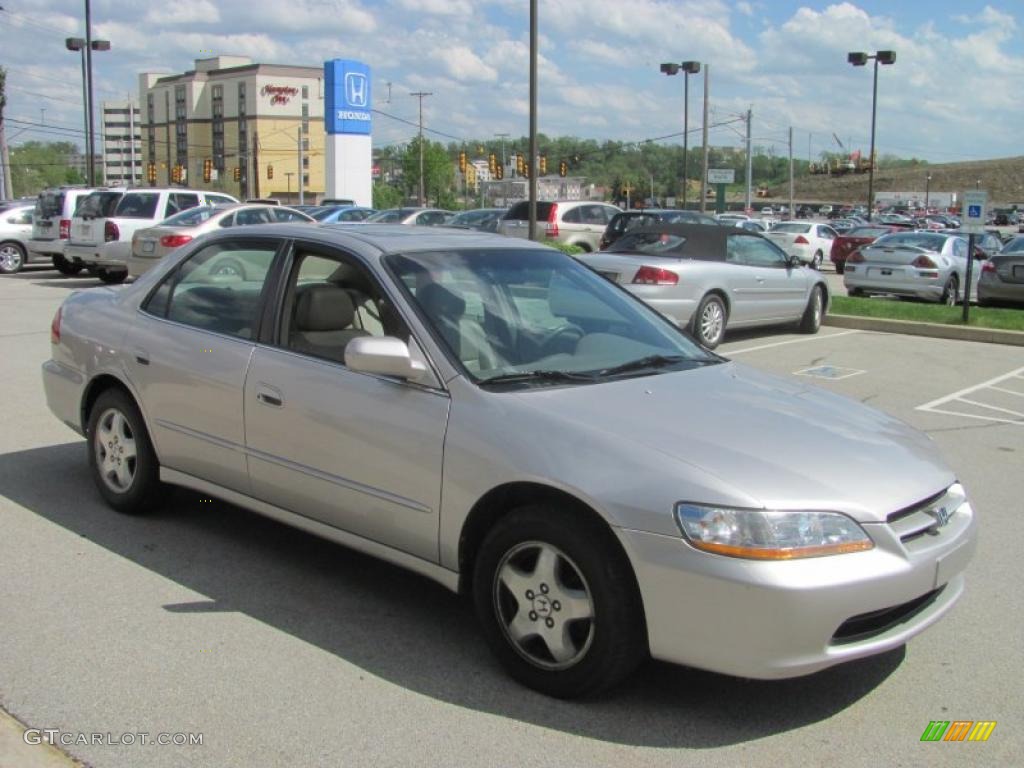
(853, 239)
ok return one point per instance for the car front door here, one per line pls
(779, 291)
(187, 355)
(359, 452)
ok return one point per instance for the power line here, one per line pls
(27, 20)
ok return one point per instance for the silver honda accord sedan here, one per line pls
(493, 415)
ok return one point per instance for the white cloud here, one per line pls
(184, 12)
(438, 7)
(745, 8)
(461, 63)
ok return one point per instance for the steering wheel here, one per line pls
(564, 338)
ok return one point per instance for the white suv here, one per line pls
(51, 225)
(101, 234)
(571, 222)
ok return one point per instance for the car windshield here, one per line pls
(867, 232)
(1014, 246)
(518, 317)
(137, 205)
(98, 204)
(191, 217)
(914, 240)
(794, 228)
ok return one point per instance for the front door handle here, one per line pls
(141, 356)
(269, 395)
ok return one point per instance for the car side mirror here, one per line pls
(384, 356)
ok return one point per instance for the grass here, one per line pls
(895, 309)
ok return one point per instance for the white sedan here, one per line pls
(807, 241)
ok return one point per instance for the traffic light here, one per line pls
(543, 165)
(151, 173)
(462, 162)
(520, 163)
(526, 169)
(175, 173)
(238, 173)
(563, 168)
(492, 164)
(499, 172)
(270, 171)
(207, 170)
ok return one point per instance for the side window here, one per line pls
(594, 214)
(219, 200)
(217, 289)
(827, 232)
(330, 301)
(249, 216)
(753, 251)
(573, 215)
(228, 221)
(430, 219)
(959, 248)
(283, 214)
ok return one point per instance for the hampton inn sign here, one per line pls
(279, 94)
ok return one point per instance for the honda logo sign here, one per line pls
(356, 89)
(348, 97)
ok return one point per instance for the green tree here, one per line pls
(37, 165)
(386, 196)
(438, 170)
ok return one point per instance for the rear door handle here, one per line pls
(269, 395)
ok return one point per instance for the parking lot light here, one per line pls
(688, 68)
(860, 59)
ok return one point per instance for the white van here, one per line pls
(101, 241)
(51, 225)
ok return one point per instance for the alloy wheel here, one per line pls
(711, 322)
(116, 454)
(543, 605)
(10, 258)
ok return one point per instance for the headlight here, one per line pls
(762, 534)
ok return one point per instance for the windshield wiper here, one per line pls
(651, 361)
(541, 375)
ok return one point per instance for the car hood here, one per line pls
(778, 442)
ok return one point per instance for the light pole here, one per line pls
(858, 59)
(79, 44)
(927, 190)
(688, 68)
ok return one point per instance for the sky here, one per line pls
(954, 93)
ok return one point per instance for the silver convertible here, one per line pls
(710, 278)
(493, 415)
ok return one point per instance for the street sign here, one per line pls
(975, 204)
(721, 176)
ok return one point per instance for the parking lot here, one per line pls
(282, 648)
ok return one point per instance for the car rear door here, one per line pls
(187, 354)
(359, 452)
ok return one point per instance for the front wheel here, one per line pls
(557, 601)
(12, 258)
(708, 324)
(815, 311)
(111, 278)
(66, 267)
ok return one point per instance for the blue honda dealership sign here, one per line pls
(347, 107)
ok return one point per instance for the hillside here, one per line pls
(1003, 178)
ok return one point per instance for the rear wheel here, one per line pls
(855, 292)
(111, 278)
(817, 259)
(557, 601)
(12, 257)
(950, 294)
(66, 267)
(121, 457)
(815, 311)
(708, 324)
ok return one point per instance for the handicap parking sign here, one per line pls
(974, 211)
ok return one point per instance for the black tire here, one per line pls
(704, 326)
(66, 267)
(951, 292)
(817, 259)
(840, 267)
(815, 311)
(111, 278)
(12, 257)
(606, 647)
(141, 493)
(855, 292)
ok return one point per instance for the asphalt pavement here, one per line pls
(280, 649)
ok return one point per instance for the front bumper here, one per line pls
(112, 255)
(770, 620)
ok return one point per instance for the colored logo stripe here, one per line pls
(935, 730)
(982, 730)
(958, 730)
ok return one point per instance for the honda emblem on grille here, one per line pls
(941, 515)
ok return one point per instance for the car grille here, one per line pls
(867, 625)
(918, 520)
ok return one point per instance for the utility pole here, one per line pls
(533, 120)
(420, 95)
(750, 163)
(704, 175)
(792, 214)
(256, 163)
(91, 144)
(6, 191)
(302, 173)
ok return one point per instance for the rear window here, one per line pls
(521, 211)
(867, 232)
(98, 205)
(190, 217)
(49, 204)
(914, 239)
(138, 205)
(654, 243)
(794, 228)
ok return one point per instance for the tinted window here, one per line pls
(219, 200)
(916, 239)
(284, 214)
(867, 232)
(216, 289)
(658, 243)
(137, 205)
(572, 216)
(190, 218)
(50, 204)
(98, 204)
(595, 214)
(792, 228)
(250, 216)
(180, 201)
(754, 252)
(521, 211)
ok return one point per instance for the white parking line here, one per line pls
(817, 337)
(968, 390)
(1008, 391)
(974, 416)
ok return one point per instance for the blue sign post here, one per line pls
(347, 98)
